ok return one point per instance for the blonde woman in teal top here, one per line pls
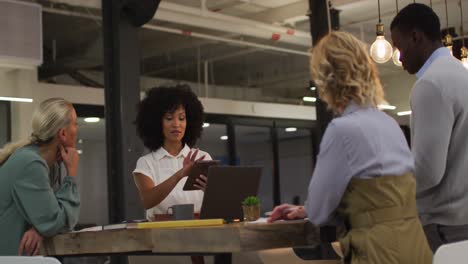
(29, 208)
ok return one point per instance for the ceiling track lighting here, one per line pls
(381, 50)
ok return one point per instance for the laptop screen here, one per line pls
(227, 187)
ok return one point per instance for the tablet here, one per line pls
(200, 167)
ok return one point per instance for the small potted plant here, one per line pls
(251, 208)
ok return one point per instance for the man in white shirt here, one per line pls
(439, 124)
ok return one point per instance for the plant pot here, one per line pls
(251, 213)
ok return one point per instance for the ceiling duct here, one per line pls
(198, 17)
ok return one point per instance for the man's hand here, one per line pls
(287, 212)
(30, 243)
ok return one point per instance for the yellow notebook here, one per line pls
(178, 223)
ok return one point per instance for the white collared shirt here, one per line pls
(439, 142)
(440, 52)
(362, 143)
(159, 165)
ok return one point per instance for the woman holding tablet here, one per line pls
(169, 122)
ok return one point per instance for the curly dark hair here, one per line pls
(420, 17)
(162, 100)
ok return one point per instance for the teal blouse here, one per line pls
(27, 200)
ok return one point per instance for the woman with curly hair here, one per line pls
(363, 174)
(169, 122)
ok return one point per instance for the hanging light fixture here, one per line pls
(464, 57)
(381, 50)
(396, 53)
(396, 58)
(448, 40)
(463, 50)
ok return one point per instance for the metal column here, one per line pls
(323, 19)
(122, 94)
(320, 17)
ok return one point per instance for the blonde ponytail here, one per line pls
(51, 115)
(9, 148)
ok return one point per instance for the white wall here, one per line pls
(24, 83)
(19, 83)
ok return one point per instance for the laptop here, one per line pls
(227, 187)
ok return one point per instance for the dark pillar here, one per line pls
(122, 91)
(319, 17)
(232, 149)
(121, 20)
(318, 28)
(276, 161)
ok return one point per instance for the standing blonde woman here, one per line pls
(29, 208)
(363, 174)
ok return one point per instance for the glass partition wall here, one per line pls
(284, 148)
(254, 148)
(295, 150)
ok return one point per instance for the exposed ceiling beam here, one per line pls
(386, 14)
(281, 13)
(221, 4)
(168, 45)
(292, 12)
(196, 17)
(85, 80)
(149, 70)
(339, 3)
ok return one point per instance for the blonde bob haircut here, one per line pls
(343, 71)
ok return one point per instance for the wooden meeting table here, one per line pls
(220, 241)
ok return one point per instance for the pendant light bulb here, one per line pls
(464, 56)
(450, 49)
(463, 50)
(448, 42)
(381, 50)
(465, 62)
(396, 58)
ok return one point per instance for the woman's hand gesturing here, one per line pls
(189, 161)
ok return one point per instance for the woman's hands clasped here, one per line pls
(30, 243)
